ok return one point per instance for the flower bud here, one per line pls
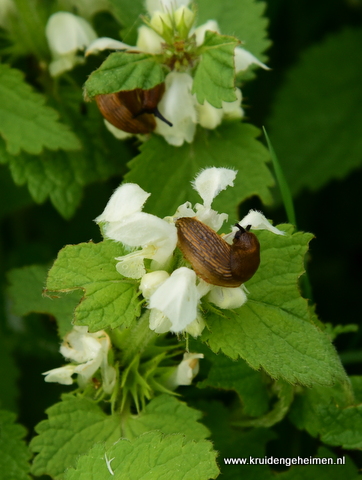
(148, 40)
(227, 298)
(151, 281)
(184, 19)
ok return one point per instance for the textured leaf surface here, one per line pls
(150, 456)
(25, 290)
(109, 299)
(273, 329)
(124, 71)
(214, 77)
(232, 145)
(331, 414)
(72, 428)
(168, 415)
(243, 19)
(317, 119)
(14, 454)
(62, 176)
(25, 122)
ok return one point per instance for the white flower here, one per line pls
(243, 59)
(125, 222)
(178, 105)
(210, 117)
(154, 6)
(88, 352)
(67, 34)
(186, 371)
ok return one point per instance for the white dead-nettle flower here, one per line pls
(67, 35)
(88, 352)
(178, 105)
(186, 371)
(173, 298)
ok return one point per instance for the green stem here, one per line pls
(137, 339)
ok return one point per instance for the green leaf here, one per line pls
(150, 456)
(73, 427)
(129, 15)
(231, 145)
(285, 393)
(125, 71)
(331, 414)
(243, 19)
(214, 77)
(322, 471)
(25, 290)
(273, 330)
(14, 454)
(109, 299)
(237, 443)
(234, 375)
(25, 122)
(168, 415)
(316, 124)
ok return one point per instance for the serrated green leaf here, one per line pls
(331, 414)
(316, 121)
(273, 329)
(243, 19)
(238, 376)
(109, 299)
(14, 454)
(168, 415)
(124, 71)
(150, 456)
(232, 145)
(73, 427)
(25, 290)
(214, 77)
(25, 122)
(323, 471)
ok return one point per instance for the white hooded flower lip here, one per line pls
(211, 181)
(177, 299)
(90, 352)
(107, 43)
(66, 34)
(243, 59)
(178, 105)
(186, 371)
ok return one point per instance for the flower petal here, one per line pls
(148, 41)
(164, 5)
(227, 297)
(107, 43)
(211, 181)
(200, 31)
(126, 200)
(258, 222)
(177, 298)
(62, 375)
(159, 323)
(151, 281)
(243, 59)
(179, 107)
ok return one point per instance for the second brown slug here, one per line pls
(212, 258)
(132, 111)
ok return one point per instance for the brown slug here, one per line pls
(132, 111)
(212, 258)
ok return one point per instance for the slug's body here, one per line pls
(212, 258)
(132, 111)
